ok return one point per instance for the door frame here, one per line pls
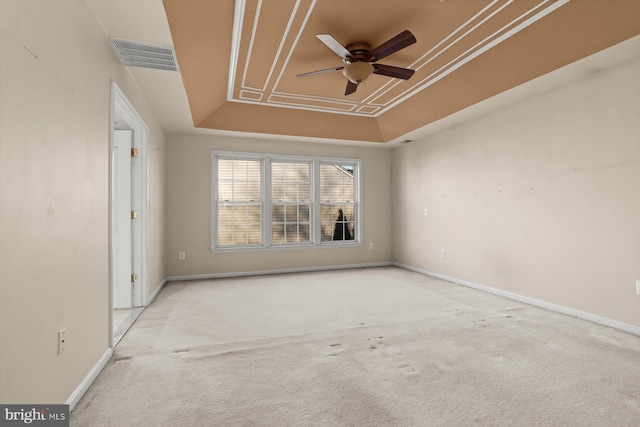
(122, 108)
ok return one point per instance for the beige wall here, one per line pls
(55, 74)
(540, 198)
(188, 213)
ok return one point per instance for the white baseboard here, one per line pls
(531, 301)
(278, 271)
(156, 292)
(77, 394)
(82, 388)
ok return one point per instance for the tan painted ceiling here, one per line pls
(239, 59)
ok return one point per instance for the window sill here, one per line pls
(285, 248)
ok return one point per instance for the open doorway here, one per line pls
(128, 215)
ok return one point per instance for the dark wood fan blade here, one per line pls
(334, 45)
(393, 45)
(326, 70)
(351, 88)
(391, 71)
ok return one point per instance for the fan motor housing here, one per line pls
(360, 51)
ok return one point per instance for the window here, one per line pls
(290, 202)
(239, 202)
(268, 201)
(337, 199)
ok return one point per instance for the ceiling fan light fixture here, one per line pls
(357, 72)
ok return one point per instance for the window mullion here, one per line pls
(316, 220)
(357, 230)
(267, 206)
(214, 200)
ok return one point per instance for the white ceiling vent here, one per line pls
(136, 54)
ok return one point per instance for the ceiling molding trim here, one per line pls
(256, 18)
(276, 58)
(273, 98)
(372, 106)
(276, 98)
(306, 107)
(372, 109)
(295, 43)
(281, 44)
(475, 53)
(251, 95)
(413, 90)
(238, 18)
(417, 63)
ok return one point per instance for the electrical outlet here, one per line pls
(371, 245)
(426, 212)
(182, 256)
(443, 253)
(62, 338)
(638, 287)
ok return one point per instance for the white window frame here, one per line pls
(356, 201)
(266, 228)
(284, 204)
(214, 198)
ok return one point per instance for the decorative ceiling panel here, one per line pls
(274, 41)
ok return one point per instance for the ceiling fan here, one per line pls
(360, 61)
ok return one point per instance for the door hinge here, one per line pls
(133, 278)
(134, 215)
(134, 152)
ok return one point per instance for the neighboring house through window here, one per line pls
(270, 201)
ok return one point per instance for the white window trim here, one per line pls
(312, 193)
(316, 232)
(214, 196)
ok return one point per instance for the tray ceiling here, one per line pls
(239, 60)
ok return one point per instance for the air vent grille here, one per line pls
(136, 54)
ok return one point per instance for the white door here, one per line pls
(121, 218)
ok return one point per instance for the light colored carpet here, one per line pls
(366, 347)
